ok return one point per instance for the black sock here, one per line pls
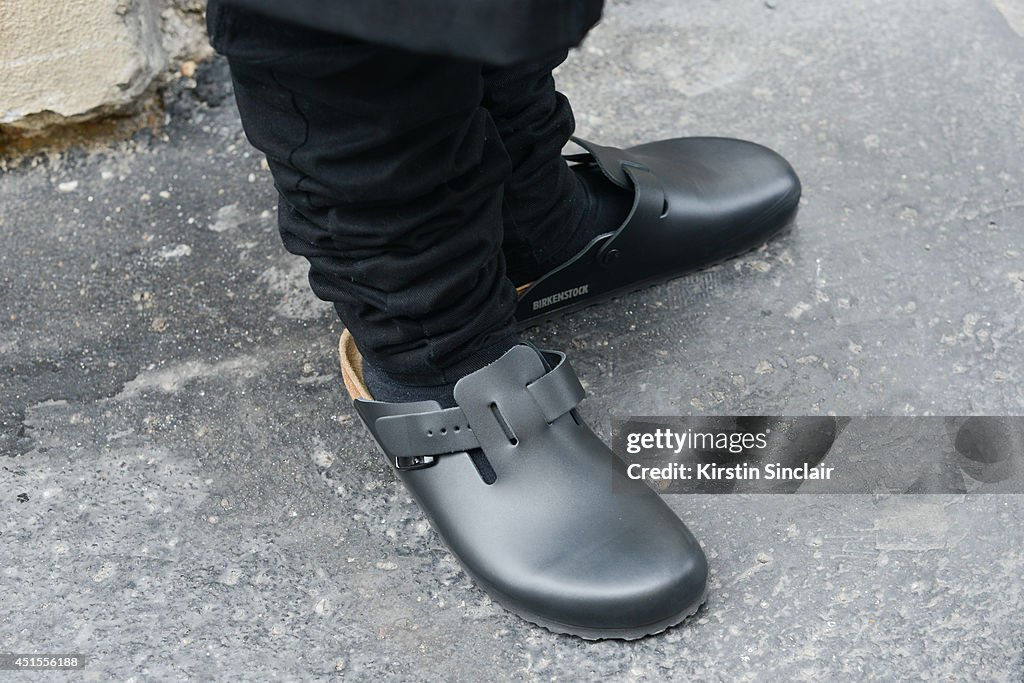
(384, 387)
(606, 206)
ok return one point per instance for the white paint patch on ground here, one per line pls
(227, 218)
(172, 378)
(177, 251)
(1013, 12)
(1017, 280)
(798, 310)
(290, 283)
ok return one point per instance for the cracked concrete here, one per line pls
(185, 493)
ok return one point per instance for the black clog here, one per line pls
(539, 512)
(697, 202)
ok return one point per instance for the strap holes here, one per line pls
(443, 430)
(430, 432)
(456, 429)
(503, 423)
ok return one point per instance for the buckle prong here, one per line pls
(416, 462)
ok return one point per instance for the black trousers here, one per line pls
(492, 31)
(401, 178)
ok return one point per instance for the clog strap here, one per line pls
(413, 440)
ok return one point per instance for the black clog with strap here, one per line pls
(536, 508)
(697, 202)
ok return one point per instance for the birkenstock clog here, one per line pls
(521, 491)
(697, 202)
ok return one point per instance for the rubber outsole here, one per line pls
(594, 635)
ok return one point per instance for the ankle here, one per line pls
(391, 388)
(604, 206)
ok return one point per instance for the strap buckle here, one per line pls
(415, 462)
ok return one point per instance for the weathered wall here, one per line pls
(78, 60)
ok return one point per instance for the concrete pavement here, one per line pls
(185, 493)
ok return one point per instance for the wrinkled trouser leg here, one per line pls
(544, 201)
(391, 177)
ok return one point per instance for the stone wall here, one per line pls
(75, 62)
